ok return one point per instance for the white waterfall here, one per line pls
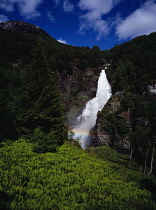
(87, 120)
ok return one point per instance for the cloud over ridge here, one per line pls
(62, 41)
(92, 19)
(27, 8)
(141, 21)
(111, 19)
(3, 18)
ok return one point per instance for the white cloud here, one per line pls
(141, 21)
(67, 6)
(6, 5)
(62, 41)
(27, 8)
(92, 19)
(3, 18)
(50, 16)
(99, 7)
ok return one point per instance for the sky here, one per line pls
(104, 23)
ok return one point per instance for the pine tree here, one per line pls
(41, 117)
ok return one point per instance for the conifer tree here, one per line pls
(41, 117)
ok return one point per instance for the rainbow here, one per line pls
(79, 134)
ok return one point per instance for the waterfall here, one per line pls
(87, 120)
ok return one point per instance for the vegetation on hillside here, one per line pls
(131, 72)
(133, 64)
(68, 179)
(31, 103)
(30, 68)
(41, 172)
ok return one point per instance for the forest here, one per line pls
(40, 168)
(131, 73)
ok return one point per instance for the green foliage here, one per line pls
(133, 64)
(15, 47)
(127, 101)
(46, 142)
(109, 154)
(96, 48)
(29, 68)
(40, 116)
(140, 137)
(130, 73)
(68, 179)
(112, 124)
(31, 106)
(122, 127)
(9, 83)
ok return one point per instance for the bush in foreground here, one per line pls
(67, 179)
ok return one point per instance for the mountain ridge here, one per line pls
(17, 25)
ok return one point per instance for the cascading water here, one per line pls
(87, 120)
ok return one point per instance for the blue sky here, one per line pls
(85, 22)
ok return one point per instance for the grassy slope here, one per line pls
(68, 179)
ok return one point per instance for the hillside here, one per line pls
(68, 179)
(69, 64)
(77, 69)
(44, 86)
(128, 121)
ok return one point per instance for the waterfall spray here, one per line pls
(87, 120)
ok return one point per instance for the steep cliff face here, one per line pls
(114, 122)
(121, 123)
(77, 89)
